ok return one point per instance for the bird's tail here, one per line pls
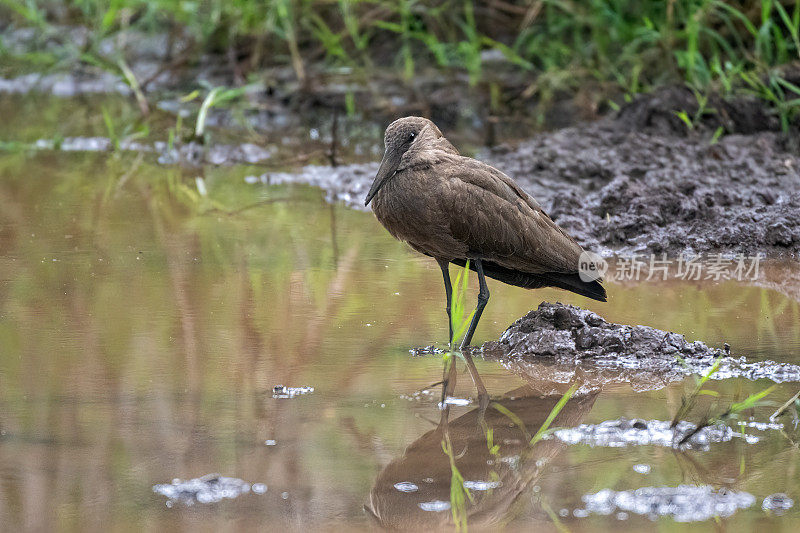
(569, 282)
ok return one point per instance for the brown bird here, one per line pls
(455, 208)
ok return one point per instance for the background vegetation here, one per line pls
(531, 49)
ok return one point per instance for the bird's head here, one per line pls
(402, 135)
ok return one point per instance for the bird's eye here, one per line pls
(411, 136)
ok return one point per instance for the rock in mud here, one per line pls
(575, 340)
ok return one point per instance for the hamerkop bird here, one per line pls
(455, 208)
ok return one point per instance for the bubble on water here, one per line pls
(459, 402)
(684, 503)
(211, 488)
(641, 469)
(482, 485)
(435, 505)
(406, 486)
(270, 442)
(762, 426)
(622, 432)
(279, 391)
(777, 503)
(259, 488)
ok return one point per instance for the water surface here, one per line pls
(144, 328)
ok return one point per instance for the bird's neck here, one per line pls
(430, 153)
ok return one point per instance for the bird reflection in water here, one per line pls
(490, 448)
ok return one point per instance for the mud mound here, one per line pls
(578, 340)
(559, 330)
(638, 192)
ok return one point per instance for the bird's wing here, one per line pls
(496, 219)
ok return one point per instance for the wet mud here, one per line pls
(345, 183)
(564, 342)
(169, 62)
(621, 185)
(632, 183)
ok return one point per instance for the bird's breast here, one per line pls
(403, 201)
(408, 208)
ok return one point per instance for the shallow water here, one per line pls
(151, 336)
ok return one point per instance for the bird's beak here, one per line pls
(389, 164)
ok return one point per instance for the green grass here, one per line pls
(601, 47)
(689, 403)
(459, 494)
(459, 319)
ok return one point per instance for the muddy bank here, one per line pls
(634, 183)
(187, 155)
(564, 342)
(640, 181)
(345, 183)
(616, 185)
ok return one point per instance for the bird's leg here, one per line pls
(483, 298)
(448, 292)
(448, 384)
(483, 394)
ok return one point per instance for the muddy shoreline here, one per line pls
(636, 181)
(617, 185)
(617, 188)
(628, 191)
(558, 343)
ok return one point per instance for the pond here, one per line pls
(243, 359)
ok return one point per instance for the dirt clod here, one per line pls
(571, 339)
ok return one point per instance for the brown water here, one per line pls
(144, 328)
